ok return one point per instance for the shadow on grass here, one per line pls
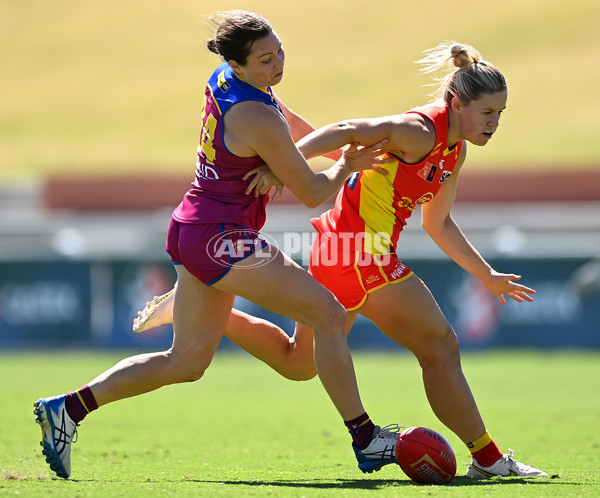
(371, 484)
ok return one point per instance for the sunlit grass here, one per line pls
(244, 431)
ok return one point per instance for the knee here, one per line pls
(186, 367)
(299, 362)
(442, 350)
(329, 316)
(300, 372)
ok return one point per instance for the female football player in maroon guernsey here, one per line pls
(214, 242)
(355, 256)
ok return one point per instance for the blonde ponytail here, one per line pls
(470, 76)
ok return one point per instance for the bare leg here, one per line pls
(291, 357)
(201, 313)
(408, 314)
(300, 297)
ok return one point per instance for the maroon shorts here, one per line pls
(209, 250)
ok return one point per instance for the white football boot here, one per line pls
(380, 451)
(58, 430)
(504, 467)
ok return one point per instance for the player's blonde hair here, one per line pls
(471, 77)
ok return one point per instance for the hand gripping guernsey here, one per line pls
(355, 249)
(217, 200)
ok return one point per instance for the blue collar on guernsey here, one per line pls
(228, 90)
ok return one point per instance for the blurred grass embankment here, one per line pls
(109, 88)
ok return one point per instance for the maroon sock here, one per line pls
(361, 430)
(79, 403)
(488, 455)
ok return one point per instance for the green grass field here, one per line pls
(244, 431)
(105, 88)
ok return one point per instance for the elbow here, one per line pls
(347, 125)
(435, 226)
(312, 202)
(312, 197)
(430, 227)
(309, 199)
(344, 129)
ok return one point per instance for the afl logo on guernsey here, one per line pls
(222, 83)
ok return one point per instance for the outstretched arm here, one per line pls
(255, 129)
(312, 143)
(438, 222)
(410, 136)
(336, 135)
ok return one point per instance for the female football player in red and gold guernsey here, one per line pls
(354, 254)
(214, 243)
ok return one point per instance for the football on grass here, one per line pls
(425, 456)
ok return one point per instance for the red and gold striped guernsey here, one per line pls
(379, 206)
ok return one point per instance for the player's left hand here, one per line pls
(502, 284)
(262, 182)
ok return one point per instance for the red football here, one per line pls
(425, 456)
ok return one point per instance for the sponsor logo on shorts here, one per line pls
(371, 279)
(398, 271)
